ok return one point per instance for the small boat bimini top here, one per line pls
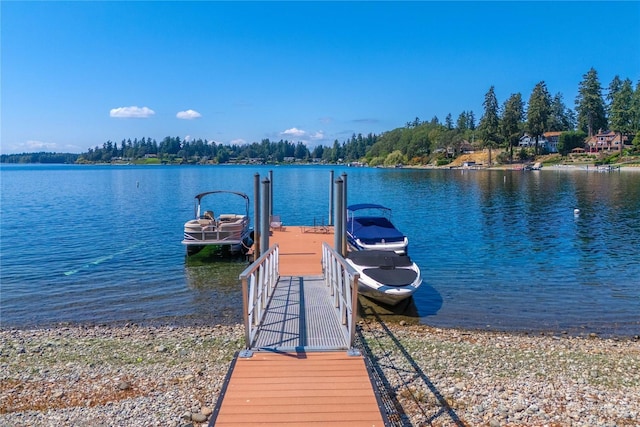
(369, 227)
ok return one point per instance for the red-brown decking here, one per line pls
(289, 389)
(301, 249)
(298, 386)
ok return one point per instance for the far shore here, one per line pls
(586, 167)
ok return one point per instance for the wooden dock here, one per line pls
(299, 389)
(300, 370)
(301, 249)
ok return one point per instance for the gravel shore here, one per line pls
(171, 376)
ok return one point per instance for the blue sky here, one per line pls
(76, 74)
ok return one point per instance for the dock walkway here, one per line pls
(300, 369)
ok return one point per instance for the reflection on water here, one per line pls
(406, 310)
(497, 249)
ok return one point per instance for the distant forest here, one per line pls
(418, 142)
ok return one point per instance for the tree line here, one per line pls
(41, 157)
(502, 125)
(418, 142)
(172, 149)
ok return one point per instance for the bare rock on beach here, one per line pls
(116, 376)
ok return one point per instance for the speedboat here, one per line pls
(369, 227)
(385, 276)
(227, 230)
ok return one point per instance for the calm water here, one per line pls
(498, 249)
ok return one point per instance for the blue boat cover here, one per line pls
(371, 229)
(359, 206)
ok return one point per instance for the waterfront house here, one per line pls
(604, 140)
(551, 139)
(548, 141)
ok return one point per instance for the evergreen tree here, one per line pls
(561, 118)
(318, 152)
(414, 123)
(511, 122)
(614, 87)
(490, 122)
(461, 123)
(301, 152)
(590, 105)
(538, 112)
(635, 112)
(570, 140)
(471, 120)
(448, 121)
(621, 110)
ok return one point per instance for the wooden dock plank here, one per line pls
(300, 400)
(300, 250)
(326, 388)
(352, 417)
(320, 379)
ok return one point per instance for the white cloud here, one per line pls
(295, 132)
(40, 146)
(131, 112)
(238, 141)
(317, 135)
(188, 115)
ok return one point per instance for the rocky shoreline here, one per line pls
(135, 375)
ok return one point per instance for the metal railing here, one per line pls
(258, 282)
(342, 280)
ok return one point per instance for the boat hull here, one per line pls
(358, 245)
(229, 229)
(385, 276)
(391, 296)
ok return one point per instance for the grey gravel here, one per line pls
(172, 376)
(447, 377)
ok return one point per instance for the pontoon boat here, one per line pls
(227, 229)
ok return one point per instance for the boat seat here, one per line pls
(206, 222)
(276, 223)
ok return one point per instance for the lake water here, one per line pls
(498, 250)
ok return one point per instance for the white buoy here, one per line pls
(576, 212)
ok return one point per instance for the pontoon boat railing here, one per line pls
(342, 280)
(258, 282)
(207, 236)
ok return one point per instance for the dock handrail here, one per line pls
(258, 282)
(343, 282)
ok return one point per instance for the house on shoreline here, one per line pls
(605, 140)
(548, 141)
(602, 141)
